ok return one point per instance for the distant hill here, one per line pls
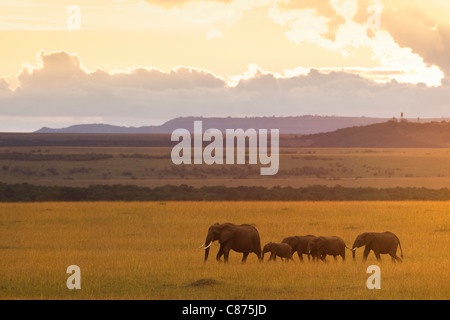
(90, 128)
(391, 134)
(388, 134)
(287, 125)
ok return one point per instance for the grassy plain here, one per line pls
(299, 167)
(149, 250)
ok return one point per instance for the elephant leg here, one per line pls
(343, 255)
(377, 254)
(395, 258)
(366, 253)
(226, 252)
(244, 257)
(220, 253)
(317, 256)
(300, 256)
(335, 258)
(259, 254)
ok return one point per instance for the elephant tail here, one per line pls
(401, 251)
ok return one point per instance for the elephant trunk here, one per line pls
(354, 250)
(208, 243)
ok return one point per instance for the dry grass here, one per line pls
(349, 167)
(150, 250)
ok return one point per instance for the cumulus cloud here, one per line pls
(314, 22)
(54, 70)
(64, 71)
(60, 90)
(411, 33)
(3, 85)
(423, 28)
(321, 15)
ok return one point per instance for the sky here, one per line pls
(137, 62)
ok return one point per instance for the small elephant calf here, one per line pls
(282, 250)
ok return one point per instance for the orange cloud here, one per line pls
(61, 87)
(423, 28)
(62, 69)
(323, 8)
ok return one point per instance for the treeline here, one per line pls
(32, 193)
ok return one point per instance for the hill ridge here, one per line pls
(307, 124)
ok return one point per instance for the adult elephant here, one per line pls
(379, 243)
(299, 244)
(240, 238)
(320, 247)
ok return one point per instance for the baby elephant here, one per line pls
(282, 250)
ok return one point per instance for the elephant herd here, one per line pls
(245, 239)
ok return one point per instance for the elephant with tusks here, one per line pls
(242, 238)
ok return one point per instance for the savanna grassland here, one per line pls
(149, 250)
(299, 167)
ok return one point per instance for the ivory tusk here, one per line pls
(208, 245)
(201, 246)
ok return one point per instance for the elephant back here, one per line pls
(246, 239)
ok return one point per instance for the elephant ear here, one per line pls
(320, 242)
(225, 235)
(369, 238)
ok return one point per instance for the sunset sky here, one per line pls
(135, 63)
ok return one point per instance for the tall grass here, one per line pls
(149, 250)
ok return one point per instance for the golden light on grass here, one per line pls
(149, 250)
